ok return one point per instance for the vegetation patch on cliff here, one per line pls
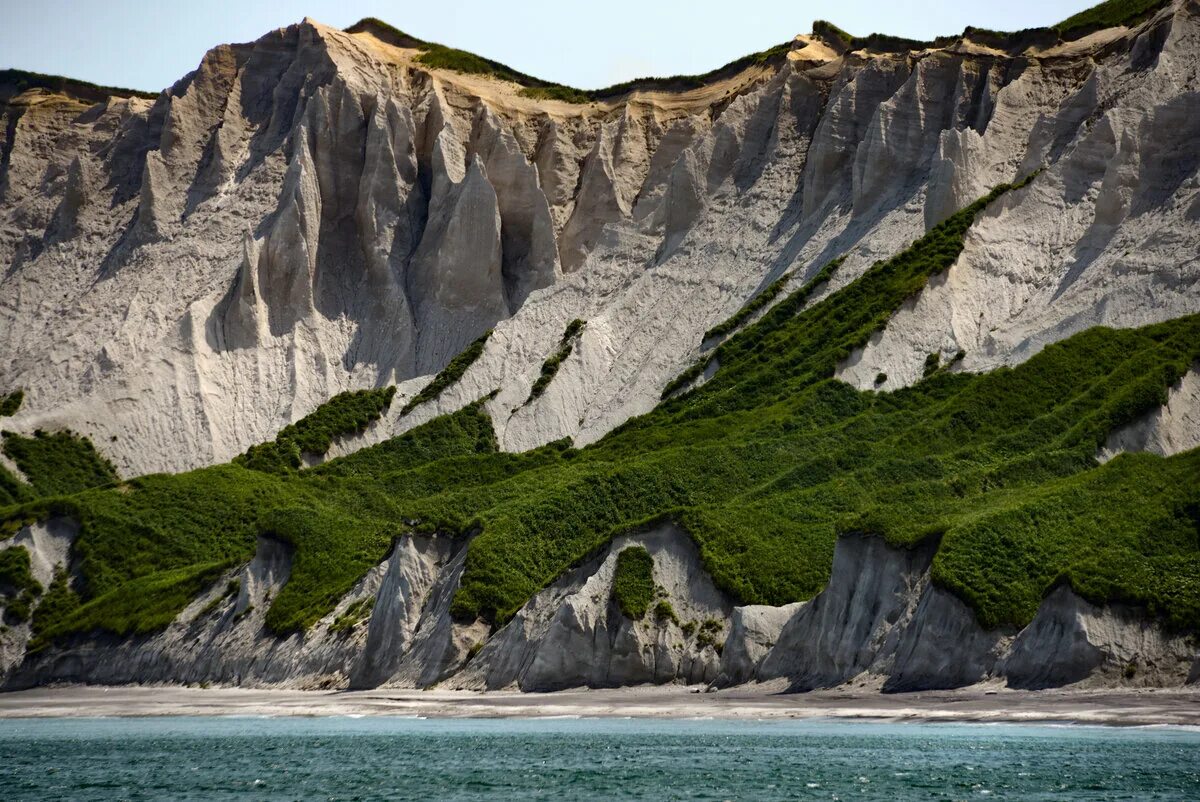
(11, 403)
(58, 463)
(18, 588)
(448, 375)
(1108, 14)
(345, 414)
(554, 361)
(633, 582)
(438, 56)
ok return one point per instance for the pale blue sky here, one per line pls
(148, 45)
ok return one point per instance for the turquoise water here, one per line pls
(583, 759)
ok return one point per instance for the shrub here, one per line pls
(633, 582)
(832, 33)
(756, 303)
(709, 630)
(58, 604)
(12, 490)
(13, 82)
(932, 363)
(449, 374)
(18, 588)
(554, 361)
(786, 308)
(880, 378)
(345, 414)
(11, 403)
(664, 611)
(1109, 14)
(58, 463)
(354, 615)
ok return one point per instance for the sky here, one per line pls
(149, 45)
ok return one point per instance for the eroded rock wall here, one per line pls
(879, 623)
(317, 211)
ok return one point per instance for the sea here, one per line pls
(377, 758)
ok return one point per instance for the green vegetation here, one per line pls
(355, 614)
(143, 605)
(11, 403)
(567, 94)
(449, 374)
(764, 466)
(385, 33)
(555, 360)
(633, 582)
(59, 603)
(932, 363)
(665, 611)
(12, 490)
(18, 588)
(437, 56)
(14, 82)
(1109, 14)
(756, 303)
(786, 308)
(340, 517)
(710, 631)
(683, 83)
(344, 414)
(440, 57)
(56, 463)
(832, 33)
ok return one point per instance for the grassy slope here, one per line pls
(1108, 14)
(55, 463)
(765, 465)
(14, 82)
(438, 56)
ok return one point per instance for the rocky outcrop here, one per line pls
(1073, 641)
(855, 623)
(221, 636)
(753, 632)
(879, 623)
(573, 633)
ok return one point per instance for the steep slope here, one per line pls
(320, 211)
(888, 446)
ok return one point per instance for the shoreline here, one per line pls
(980, 704)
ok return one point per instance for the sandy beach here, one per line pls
(1122, 707)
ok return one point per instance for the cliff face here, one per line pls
(319, 211)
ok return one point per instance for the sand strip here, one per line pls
(1123, 707)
